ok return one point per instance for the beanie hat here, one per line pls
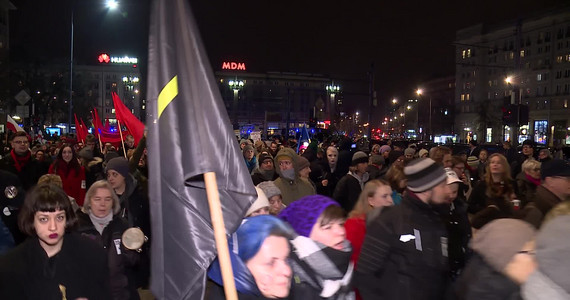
(553, 250)
(359, 157)
(423, 174)
(413, 146)
(260, 202)
(110, 155)
(500, 240)
(555, 167)
(528, 143)
(422, 152)
(263, 156)
(473, 161)
(247, 147)
(377, 159)
(303, 163)
(86, 153)
(410, 151)
(119, 164)
(385, 148)
(269, 188)
(304, 213)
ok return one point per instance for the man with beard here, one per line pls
(404, 254)
(266, 169)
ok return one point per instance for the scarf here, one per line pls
(251, 164)
(267, 174)
(100, 223)
(20, 161)
(324, 268)
(532, 179)
(64, 167)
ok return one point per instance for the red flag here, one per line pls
(85, 129)
(124, 115)
(78, 130)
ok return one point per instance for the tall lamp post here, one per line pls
(420, 92)
(236, 86)
(332, 90)
(111, 5)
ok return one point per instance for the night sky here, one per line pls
(408, 41)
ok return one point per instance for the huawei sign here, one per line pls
(104, 58)
(230, 65)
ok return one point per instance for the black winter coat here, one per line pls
(347, 191)
(10, 207)
(80, 268)
(404, 254)
(480, 282)
(122, 262)
(29, 175)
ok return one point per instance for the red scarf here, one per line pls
(64, 168)
(532, 179)
(20, 161)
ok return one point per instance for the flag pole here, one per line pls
(220, 235)
(100, 143)
(122, 141)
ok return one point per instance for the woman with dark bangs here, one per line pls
(67, 166)
(46, 267)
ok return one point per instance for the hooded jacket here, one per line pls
(291, 189)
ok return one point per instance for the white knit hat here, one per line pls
(260, 202)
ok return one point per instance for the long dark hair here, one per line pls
(60, 163)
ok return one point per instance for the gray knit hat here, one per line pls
(377, 159)
(423, 174)
(269, 188)
(410, 151)
(500, 240)
(553, 251)
(359, 157)
(119, 164)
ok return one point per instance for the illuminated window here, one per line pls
(539, 77)
(511, 55)
(467, 97)
(462, 97)
(490, 83)
(468, 52)
(522, 53)
(463, 54)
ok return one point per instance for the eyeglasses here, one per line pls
(21, 142)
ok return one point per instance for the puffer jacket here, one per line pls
(292, 189)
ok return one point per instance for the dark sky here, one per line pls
(408, 41)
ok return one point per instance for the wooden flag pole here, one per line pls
(100, 143)
(122, 140)
(220, 235)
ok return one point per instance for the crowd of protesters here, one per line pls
(391, 221)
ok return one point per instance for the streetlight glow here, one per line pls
(509, 79)
(419, 92)
(112, 4)
(394, 101)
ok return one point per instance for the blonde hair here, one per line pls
(51, 179)
(530, 164)
(101, 184)
(362, 206)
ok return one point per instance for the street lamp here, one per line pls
(419, 92)
(332, 90)
(111, 5)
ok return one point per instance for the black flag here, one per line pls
(189, 135)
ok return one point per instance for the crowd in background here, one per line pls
(394, 220)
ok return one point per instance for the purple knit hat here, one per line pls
(303, 213)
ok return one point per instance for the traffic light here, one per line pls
(509, 118)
